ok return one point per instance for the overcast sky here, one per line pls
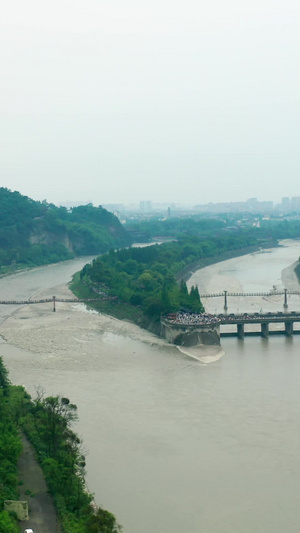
(122, 101)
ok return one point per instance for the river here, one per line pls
(173, 444)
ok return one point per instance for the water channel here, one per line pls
(173, 444)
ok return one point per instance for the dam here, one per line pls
(185, 329)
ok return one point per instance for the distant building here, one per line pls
(289, 205)
(295, 203)
(252, 205)
(145, 206)
(285, 204)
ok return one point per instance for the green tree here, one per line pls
(183, 288)
(103, 522)
(54, 415)
(7, 523)
(4, 380)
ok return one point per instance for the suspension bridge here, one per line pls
(54, 300)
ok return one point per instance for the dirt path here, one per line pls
(42, 514)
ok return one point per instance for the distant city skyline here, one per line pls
(286, 205)
(146, 201)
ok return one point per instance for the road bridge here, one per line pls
(189, 329)
(263, 319)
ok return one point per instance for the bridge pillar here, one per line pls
(265, 330)
(285, 305)
(240, 331)
(289, 328)
(225, 302)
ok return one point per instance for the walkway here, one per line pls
(42, 514)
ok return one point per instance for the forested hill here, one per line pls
(36, 233)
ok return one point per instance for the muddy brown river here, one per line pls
(174, 444)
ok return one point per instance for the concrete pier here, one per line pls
(265, 329)
(240, 331)
(289, 328)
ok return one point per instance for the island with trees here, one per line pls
(143, 283)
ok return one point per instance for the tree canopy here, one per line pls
(36, 233)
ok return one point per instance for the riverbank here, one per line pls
(219, 277)
(189, 270)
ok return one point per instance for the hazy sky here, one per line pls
(122, 101)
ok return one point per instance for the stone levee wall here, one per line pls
(185, 335)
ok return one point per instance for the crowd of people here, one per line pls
(190, 319)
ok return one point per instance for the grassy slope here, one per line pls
(114, 308)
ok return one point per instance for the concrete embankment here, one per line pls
(190, 335)
(190, 269)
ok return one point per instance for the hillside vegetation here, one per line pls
(48, 424)
(205, 227)
(10, 449)
(36, 233)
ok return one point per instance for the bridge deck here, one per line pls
(257, 318)
(243, 294)
(50, 300)
(260, 319)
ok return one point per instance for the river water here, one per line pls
(173, 444)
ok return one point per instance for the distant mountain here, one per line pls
(37, 233)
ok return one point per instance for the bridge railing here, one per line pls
(243, 294)
(48, 300)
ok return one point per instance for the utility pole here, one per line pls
(225, 301)
(285, 305)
